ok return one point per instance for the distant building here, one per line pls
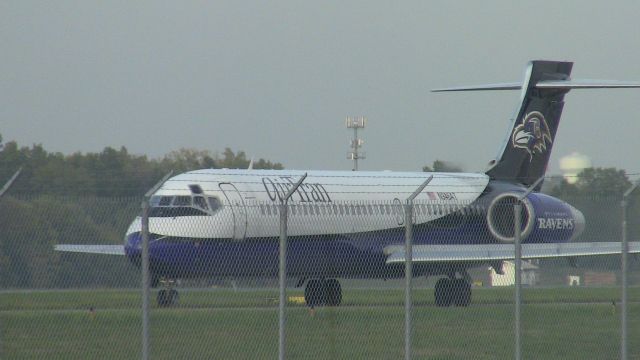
(593, 278)
(573, 280)
(529, 275)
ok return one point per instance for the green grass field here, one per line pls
(563, 323)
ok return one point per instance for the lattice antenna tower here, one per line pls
(355, 123)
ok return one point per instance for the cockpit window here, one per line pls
(195, 188)
(214, 203)
(174, 206)
(198, 201)
(167, 211)
(154, 200)
(182, 201)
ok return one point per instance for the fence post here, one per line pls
(624, 331)
(517, 242)
(408, 267)
(144, 264)
(517, 210)
(144, 231)
(4, 189)
(283, 268)
(408, 271)
(9, 182)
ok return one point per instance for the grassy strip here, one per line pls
(130, 299)
(568, 323)
(479, 332)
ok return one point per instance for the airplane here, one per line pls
(346, 224)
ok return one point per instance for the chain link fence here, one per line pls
(345, 293)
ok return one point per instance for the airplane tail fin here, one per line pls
(525, 153)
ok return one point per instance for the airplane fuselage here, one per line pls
(340, 224)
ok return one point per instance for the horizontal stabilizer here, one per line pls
(586, 84)
(549, 84)
(504, 86)
(491, 252)
(92, 249)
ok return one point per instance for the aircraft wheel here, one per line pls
(443, 292)
(163, 298)
(168, 297)
(334, 292)
(313, 293)
(173, 297)
(462, 292)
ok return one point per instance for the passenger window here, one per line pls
(262, 211)
(165, 201)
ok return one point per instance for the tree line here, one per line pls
(111, 172)
(91, 198)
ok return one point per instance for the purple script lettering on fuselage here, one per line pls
(277, 188)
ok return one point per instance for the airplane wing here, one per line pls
(492, 252)
(92, 249)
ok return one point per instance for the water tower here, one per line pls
(572, 164)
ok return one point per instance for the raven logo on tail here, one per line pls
(532, 134)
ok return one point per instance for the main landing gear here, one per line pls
(168, 296)
(453, 291)
(319, 292)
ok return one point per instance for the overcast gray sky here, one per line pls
(277, 79)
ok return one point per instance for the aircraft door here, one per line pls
(234, 199)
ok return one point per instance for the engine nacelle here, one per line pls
(543, 218)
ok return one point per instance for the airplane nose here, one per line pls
(133, 243)
(578, 222)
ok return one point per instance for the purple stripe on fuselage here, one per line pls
(346, 255)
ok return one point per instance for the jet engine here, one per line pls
(543, 218)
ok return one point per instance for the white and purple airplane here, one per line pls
(220, 222)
